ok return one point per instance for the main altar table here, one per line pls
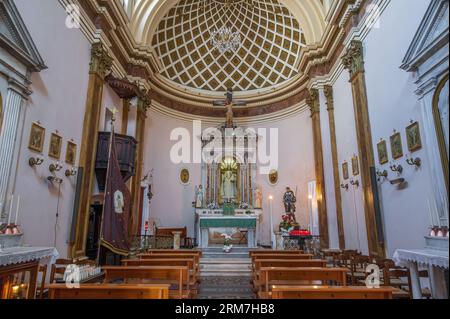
(217, 220)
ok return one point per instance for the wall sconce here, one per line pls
(344, 186)
(397, 168)
(35, 161)
(54, 179)
(381, 174)
(71, 172)
(55, 167)
(354, 183)
(417, 162)
(398, 181)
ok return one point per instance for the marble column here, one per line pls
(9, 144)
(353, 61)
(314, 104)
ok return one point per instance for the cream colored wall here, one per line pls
(58, 102)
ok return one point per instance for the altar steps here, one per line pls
(216, 263)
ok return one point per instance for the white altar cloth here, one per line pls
(435, 261)
(17, 255)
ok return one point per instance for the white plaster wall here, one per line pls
(347, 145)
(58, 102)
(392, 104)
(328, 173)
(172, 202)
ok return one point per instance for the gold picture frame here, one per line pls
(345, 172)
(383, 156)
(54, 149)
(413, 137)
(396, 146)
(185, 176)
(71, 153)
(273, 177)
(355, 165)
(37, 138)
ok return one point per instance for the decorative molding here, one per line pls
(353, 58)
(101, 62)
(313, 102)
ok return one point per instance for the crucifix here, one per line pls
(114, 111)
(229, 102)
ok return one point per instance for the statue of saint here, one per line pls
(289, 200)
(258, 198)
(228, 185)
(199, 196)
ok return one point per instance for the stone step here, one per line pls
(225, 261)
(228, 267)
(225, 274)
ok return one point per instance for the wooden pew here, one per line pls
(174, 251)
(109, 291)
(174, 275)
(270, 276)
(335, 292)
(282, 256)
(294, 263)
(194, 256)
(273, 251)
(188, 262)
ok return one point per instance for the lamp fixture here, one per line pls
(417, 162)
(35, 161)
(55, 167)
(397, 168)
(355, 183)
(71, 172)
(225, 40)
(344, 186)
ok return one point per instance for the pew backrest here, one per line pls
(324, 292)
(109, 291)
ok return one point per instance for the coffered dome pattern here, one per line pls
(271, 42)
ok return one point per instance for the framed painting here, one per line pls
(54, 150)
(185, 176)
(37, 137)
(355, 166)
(383, 156)
(273, 177)
(413, 137)
(396, 145)
(345, 173)
(71, 153)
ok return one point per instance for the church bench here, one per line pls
(174, 275)
(189, 262)
(281, 256)
(109, 291)
(325, 292)
(273, 251)
(264, 263)
(300, 276)
(194, 256)
(174, 251)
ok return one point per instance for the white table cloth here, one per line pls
(435, 261)
(17, 255)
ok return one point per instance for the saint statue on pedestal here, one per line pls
(199, 196)
(258, 198)
(289, 200)
(229, 185)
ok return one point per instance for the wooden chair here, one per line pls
(324, 292)
(176, 276)
(41, 287)
(186, 241)
(299, 276)
(107, 291)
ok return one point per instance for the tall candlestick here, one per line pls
(17, 210)
(272, 241)
(10, 209)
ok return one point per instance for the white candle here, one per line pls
(17, 210)
(272, 241)
(435, 209)
(430, 215)
(10, 209)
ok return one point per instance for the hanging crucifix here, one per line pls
(229, 102)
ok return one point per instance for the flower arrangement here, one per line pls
(227, 246)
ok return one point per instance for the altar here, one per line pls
(244, 227)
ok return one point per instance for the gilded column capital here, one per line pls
(328, 91)
(144, 101)
(313, 102)
(353, 59)
(101, 62)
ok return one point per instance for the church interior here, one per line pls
(224, 149)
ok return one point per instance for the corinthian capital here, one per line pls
(101, 62)
(313, 101)
(144, 101)
(353, 58)
(328, 91)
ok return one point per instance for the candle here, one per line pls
(272, 241)
(10, 209)
(435, 210)
(17, 210)
(430, 215)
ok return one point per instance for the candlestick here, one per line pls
(272, 241)
(17, 210)
(10, 209)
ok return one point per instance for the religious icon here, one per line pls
(55, 146)
(396, 145)
(345, 173)
(185, 176)
(200, 195)
(119, 202)
(383, 157)
(273, 177)
(289, 200)
(71, 153)
(413, 137)
(355, 165)
(258, 198)
(37, 136)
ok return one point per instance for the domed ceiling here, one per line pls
(271, 40)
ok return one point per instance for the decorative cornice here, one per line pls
(328, 91)
(353, 59)
(123, 87)
(101, 62)
(144, 101)
(313, 102)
